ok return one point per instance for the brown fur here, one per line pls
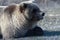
(17, 19)
(10, 9)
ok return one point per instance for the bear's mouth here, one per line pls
(38, 18)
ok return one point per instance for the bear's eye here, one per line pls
(34, 10)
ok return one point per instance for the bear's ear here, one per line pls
(10, 8)
(22, 7)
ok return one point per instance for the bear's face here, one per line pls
(31, 11)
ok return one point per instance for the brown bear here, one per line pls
(19, 19)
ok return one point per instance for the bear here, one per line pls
(18, 20)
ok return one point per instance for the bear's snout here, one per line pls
(43, 14)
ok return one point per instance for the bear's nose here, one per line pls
(43, 14)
